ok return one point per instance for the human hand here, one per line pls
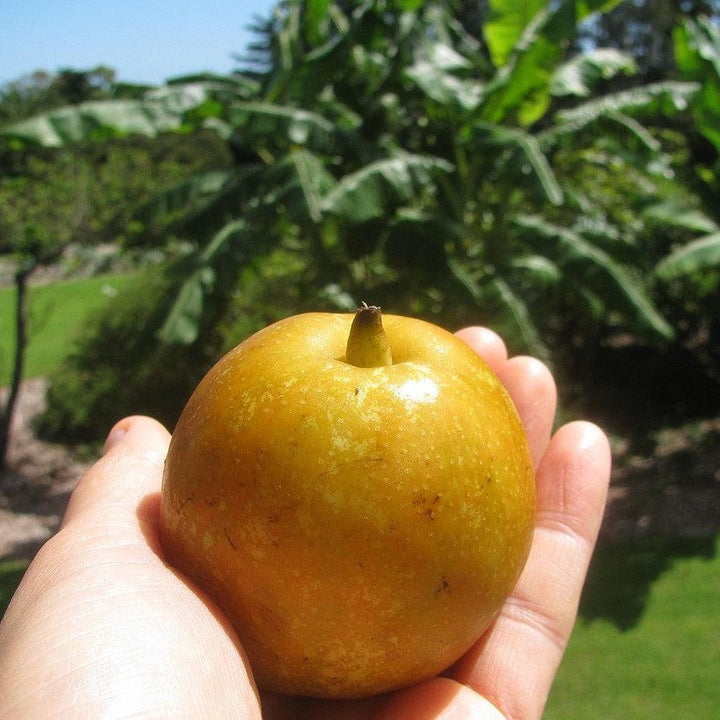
(100, 625)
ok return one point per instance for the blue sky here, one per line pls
(143, 40)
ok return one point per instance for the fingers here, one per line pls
(532, 388)
(129, 471)
(528, 381)
(488, 345)
(439, 699)
(514, 664)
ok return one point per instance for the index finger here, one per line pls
(528, 381)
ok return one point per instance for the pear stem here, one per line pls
(368, 345)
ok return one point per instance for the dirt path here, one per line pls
(674, 491)
(35, 487)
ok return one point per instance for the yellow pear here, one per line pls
(356, 494)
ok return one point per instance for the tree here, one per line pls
(388, 126)
(41, 91)
(51, 198)
(34, 243)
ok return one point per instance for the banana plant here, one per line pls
(697, 51)
(506, 188)
(411, 153)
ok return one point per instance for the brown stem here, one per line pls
(368, 345)
(6, 414)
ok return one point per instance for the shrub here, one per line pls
(119, 367)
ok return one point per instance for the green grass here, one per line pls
(11, 572)
(647, 644)
(56, 312)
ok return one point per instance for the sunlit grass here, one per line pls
(11, 572)
(648, 646)
(56, 312)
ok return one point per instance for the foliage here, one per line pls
(689, 274)
(415, 168)
(413, 158)
(78, 195)
(114, 365)
(39, 208)
(41, 91)
(644, 30)
(86, 194)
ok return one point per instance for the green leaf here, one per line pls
(529, 147)
(433, 71)
(505, 25)
(365, 194)
(161, 111)
(183, 320)
(543, 270)
(188, 195)
(592, 268)
(316, 17)
(509, 19)
(267, 123)
(521, 88)
(581, 75)
(181, 326)
(697, 51)
(624, 108)
(297, 183)
(669, 213)
(234, 84)
(519, 314)
(707, 110)
(697, 255)
(636, 129)
(697, 43)
(513, 310)
(218, 245)
(666, 98)
(588, 7)
(309, 171)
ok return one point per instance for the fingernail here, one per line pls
(114, 437)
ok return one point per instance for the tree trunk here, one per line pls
(6, 415)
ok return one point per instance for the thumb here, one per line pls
(129, 471)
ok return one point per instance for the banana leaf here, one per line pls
(581, 75)
(158, 112)
(585, 265)
(696, 256)
(513, 312)
(184, 316)
(367, 193)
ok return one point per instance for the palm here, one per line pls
(137, 636)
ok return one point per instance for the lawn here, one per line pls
(647, 644)
(56, 311)
(11, 572)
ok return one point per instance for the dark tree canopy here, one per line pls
(644, 30)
